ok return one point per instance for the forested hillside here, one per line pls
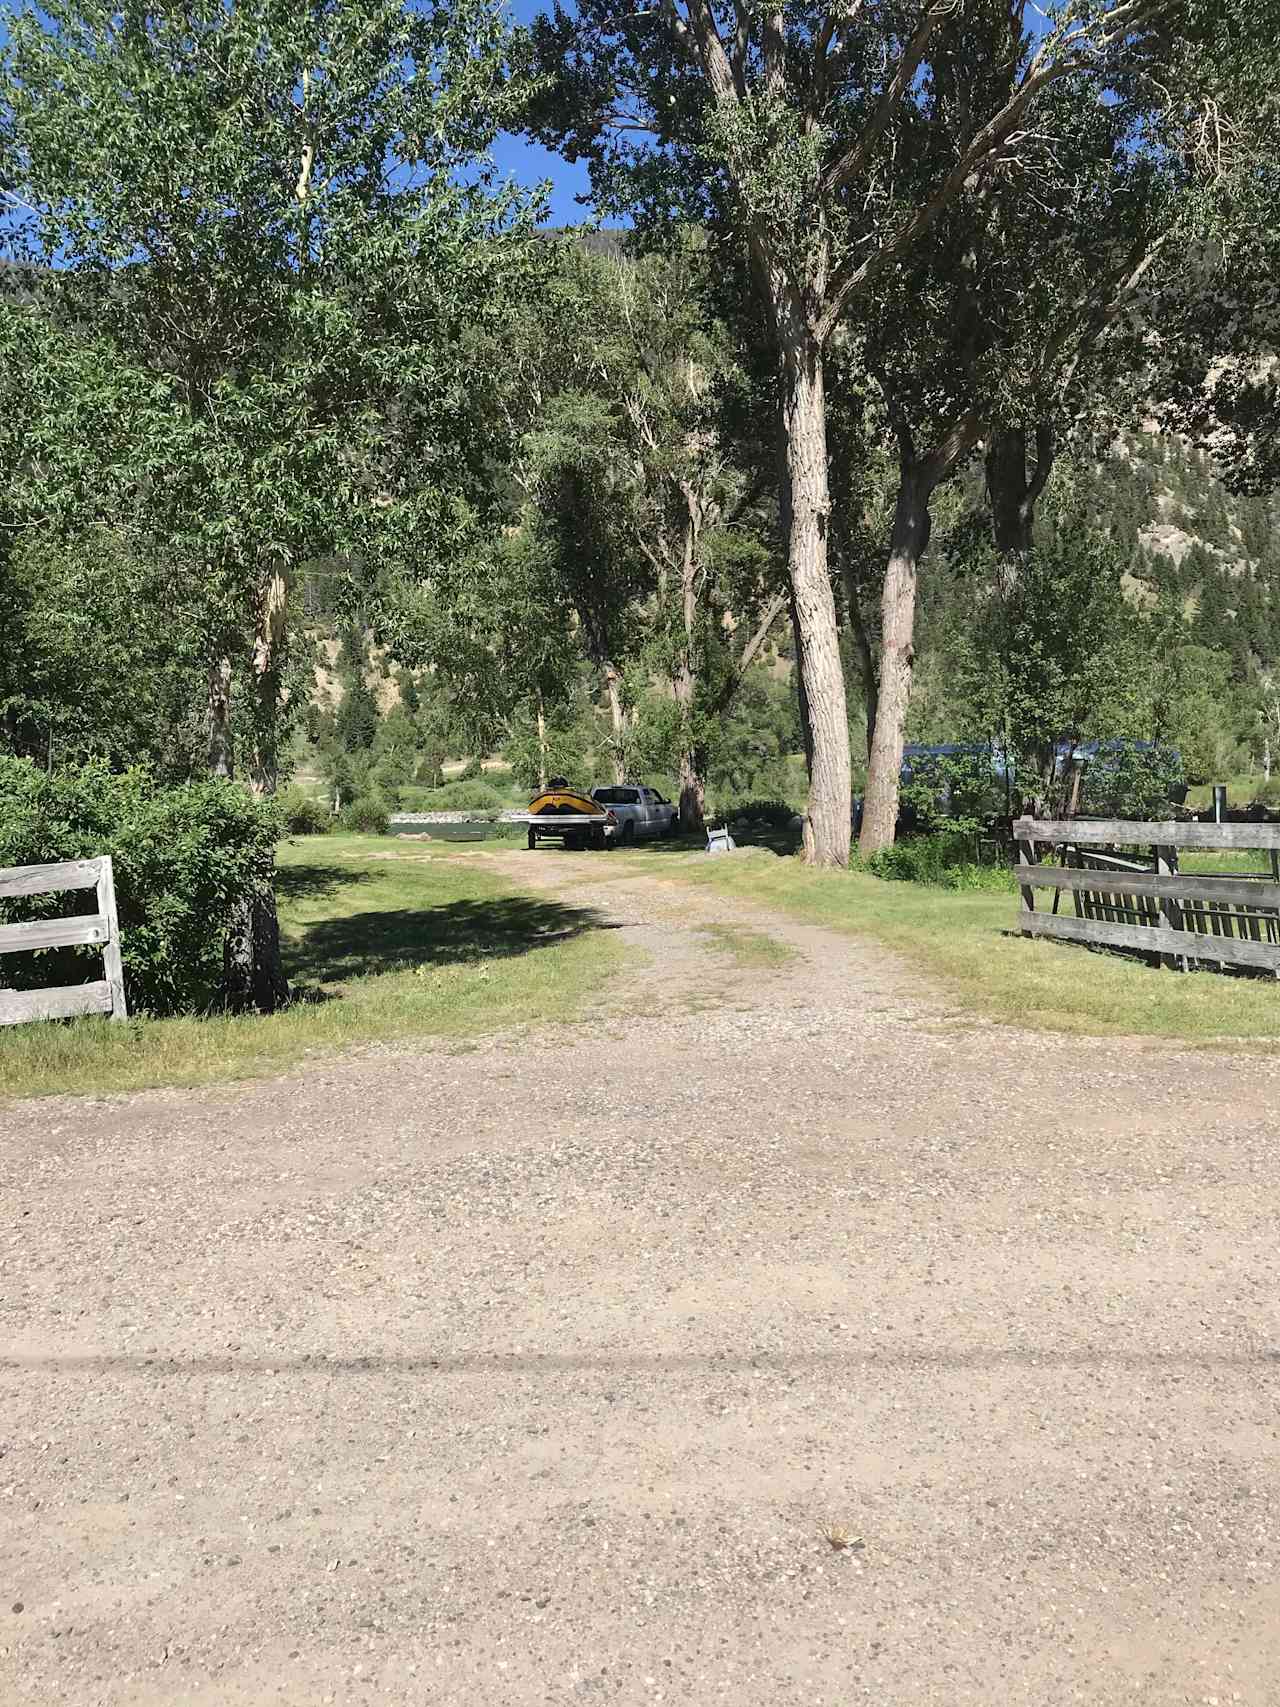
(1199, 571)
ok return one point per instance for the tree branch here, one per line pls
(715, 61)
(850, 280)
(773, 40)
(856, 159)
(751, 651)
(951, 448)
(741, 47)
(1058, 55)
(1045, 448)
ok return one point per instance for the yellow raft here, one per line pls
(567, 815)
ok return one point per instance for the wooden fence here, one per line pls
(1182, 918)
(102, 929)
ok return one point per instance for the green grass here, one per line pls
(749, 948)
(962, 940)
(1241, 791)
(383, 941)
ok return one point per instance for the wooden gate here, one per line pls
(1184, 918)
(102, 929)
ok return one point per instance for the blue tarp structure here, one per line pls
(919, 759)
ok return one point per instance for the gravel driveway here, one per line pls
(774, 1338)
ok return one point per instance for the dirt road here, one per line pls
(778, 1338)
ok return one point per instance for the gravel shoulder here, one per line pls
(551, 1369)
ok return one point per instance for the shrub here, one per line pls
(1131, 782)
(945, 860)
(774, 814)
(367, 815)
(301, 813)
(951, 793)
(461, 797)
(183, 858)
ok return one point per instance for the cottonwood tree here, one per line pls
(565, 578)
(659, 537)
(272, 212)
(1010, 325)
(81, 677)
(792, 130)
(1058, 656)
(694, 512)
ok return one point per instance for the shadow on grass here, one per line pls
(780, 842)
(397, 941)
(315, 882)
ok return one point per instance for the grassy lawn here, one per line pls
(961, 939)
(1241, 791)
(384, 939)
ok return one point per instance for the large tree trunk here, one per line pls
(219, 712)
(693, 758)
(866, 657)
(617, 715)
(802, 698)
(542, 746)
(252, 971)
(268, 986)
(897, 658)
(268, 675)
(693, 791)
(828, 817)
(1013, 488)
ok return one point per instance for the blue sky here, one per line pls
(529, 164)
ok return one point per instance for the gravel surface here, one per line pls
(773, 1338)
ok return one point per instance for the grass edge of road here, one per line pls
(968, 942)
(384, 945)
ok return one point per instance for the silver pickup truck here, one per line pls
(639, 811)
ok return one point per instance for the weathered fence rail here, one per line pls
(100, 929)
(1119, 902)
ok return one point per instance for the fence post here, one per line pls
(112, 964)
(1169, 910)
(1027, 856)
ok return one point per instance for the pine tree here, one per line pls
(356, 723)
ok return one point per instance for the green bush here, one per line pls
(945, 860)
(951, 793)
(368, 815)
(301, 813)
(1130, 783)
(183, 857)
(459, 797)
(411, 798)
(774, 814)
